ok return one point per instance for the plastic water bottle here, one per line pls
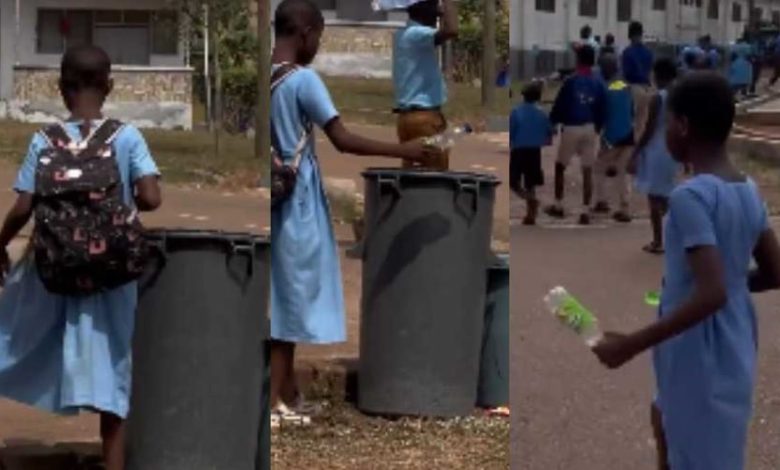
(447, 139)
(574, 315)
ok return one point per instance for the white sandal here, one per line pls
(284, 416)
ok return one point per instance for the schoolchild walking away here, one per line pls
(740, 72)
(705, 339)
(67, 309)
(307, 304)
(654, 168)
(529, 131)
(580, 109)
(636, 65)
(617, 143)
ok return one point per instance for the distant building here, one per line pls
(152, 76)
(543, 30)
(357, 41)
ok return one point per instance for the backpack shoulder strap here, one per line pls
(55, 135)
(282, 73)
(106, 133)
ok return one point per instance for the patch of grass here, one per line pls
(371, 101)
(183, 157)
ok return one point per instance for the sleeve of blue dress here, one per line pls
(315, 100)
(25, 179)
(141, 161)
(421, 35)
(690, 214)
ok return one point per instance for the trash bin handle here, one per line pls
(470, 187)
(158, 251)
(393, 182)
(248, 251)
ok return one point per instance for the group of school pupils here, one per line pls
(307, 301)
(705, 339)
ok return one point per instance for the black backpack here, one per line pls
(86, 239)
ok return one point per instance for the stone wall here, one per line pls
(145, 97)
(358, 51)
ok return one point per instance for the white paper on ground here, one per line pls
(387, 5)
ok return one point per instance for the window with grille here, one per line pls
(659, 5)
(589, 8)
(736, 12)
(712, 10)
(545, 5)
(624, 10)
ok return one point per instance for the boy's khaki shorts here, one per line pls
(412, 125)
(581, 141)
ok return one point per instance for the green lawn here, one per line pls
(183, 157)
(370, 101)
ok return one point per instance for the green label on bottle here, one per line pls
(576, 316)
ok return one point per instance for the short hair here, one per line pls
(707, 102)
(292, 15)
(85, 67)
(585, 32)
(609, 39)
(608, 64)
(532, 92)
(635, 29)
(665, 69)
(423, 8)
(586, 55)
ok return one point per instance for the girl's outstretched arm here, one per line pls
(347, 142)
(709, 295)
(16, 219)
(767, 255)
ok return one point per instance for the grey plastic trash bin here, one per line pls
(426, 246)
(199, 354)
(493, 389)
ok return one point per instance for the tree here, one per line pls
(226, 25)
(263, 131)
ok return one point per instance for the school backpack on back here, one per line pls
(86, 239)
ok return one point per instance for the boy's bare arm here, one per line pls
(16, 219)
(767, 255)
(448, 29)
(347, 142)
(148, 196)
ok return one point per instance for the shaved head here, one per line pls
(294, 16)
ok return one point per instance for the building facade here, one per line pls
(152, 79)
(357, 41)
(542, 30)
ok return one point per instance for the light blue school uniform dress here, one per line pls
(62, 354)
(307, 302)
(706, 375)
(417, 77)
(657, 171)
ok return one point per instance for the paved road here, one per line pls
(569, 412)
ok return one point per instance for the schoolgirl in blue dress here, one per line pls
(705, 340)
(307, 304)
(654, 168)
(64, 354)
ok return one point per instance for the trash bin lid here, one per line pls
(498, 261)
(168, 236)
(419, 174)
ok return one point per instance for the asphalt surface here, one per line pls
(568, 411)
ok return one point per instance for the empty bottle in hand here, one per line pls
(574, 315)
(447, 139)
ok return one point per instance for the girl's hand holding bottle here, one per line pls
(615, 349)
(421, 152)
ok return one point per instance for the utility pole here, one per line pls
(489, 55)
(263, 131)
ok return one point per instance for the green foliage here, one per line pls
(468, 48)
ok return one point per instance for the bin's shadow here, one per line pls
(413, 238)
(24, 454)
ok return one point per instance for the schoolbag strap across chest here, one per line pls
(104, 135)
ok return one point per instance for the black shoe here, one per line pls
(584, 219)
(601, 208)
(622, 217)
(555, 212)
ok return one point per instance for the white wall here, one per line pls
(25, 53)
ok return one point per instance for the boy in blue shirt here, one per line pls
(617, 141)
(740, 70)
(529, 131)
(637, 65)
(420, 89)
(580, 109)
